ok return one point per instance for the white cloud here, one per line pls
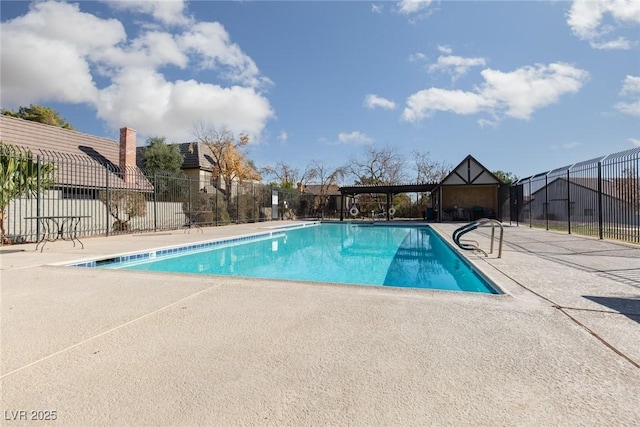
(445, 49)
(414, 57)
(424, 103)
(166, 12)
(376, 9)
(456, 66)
(151, 49)
(586, 19)
(44, 50)
(619, 44)
(407, 7)
(630, 86)
(65, 23)
(630, 108)
(56, 43)
(527, 89)
(630, 89)
(375, 101)
(516, 94)
(635, 141)
(28, 78)
(211, 42)
(283, 136)
(171, 108)
(565, 146)
(354, 137)
(486, 122)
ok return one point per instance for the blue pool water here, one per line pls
(347, 253)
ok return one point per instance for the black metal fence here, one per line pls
(598, 197)
(112, 200)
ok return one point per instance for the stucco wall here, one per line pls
(160, 215)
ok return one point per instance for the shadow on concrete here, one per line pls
(9, 251)
(630, 307)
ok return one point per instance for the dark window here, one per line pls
(79, 193)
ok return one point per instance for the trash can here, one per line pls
(430, 214)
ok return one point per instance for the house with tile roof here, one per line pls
(87, 170)
(82, 161)
(197, 164)
(331, 193)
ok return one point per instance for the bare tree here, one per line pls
(427, 170)
(286, 176)
(309, 174)
(320, 174)
(231, 163)
(384, 166)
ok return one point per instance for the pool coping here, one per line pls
(177, 248)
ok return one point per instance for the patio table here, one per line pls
(58, 227)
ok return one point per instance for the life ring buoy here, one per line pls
(392, 211)
(353, 211)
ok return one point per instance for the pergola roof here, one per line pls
(388, 189)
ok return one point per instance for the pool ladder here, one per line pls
(472, 245)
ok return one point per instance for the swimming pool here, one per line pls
(345, 253)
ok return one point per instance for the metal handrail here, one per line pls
(464, 244)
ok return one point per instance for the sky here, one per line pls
(523, 86)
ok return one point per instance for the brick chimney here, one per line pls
(127, 154)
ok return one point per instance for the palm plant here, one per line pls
(19, 177)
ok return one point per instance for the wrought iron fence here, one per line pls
(598, 197)
(112, 200)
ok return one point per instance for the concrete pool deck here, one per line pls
(116, 348)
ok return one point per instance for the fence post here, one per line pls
(38, 196)
(106, 204)
(568, 201)
(513, 204)
(546, 200)
(600, 218)
(155, 202)
(530, 203)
